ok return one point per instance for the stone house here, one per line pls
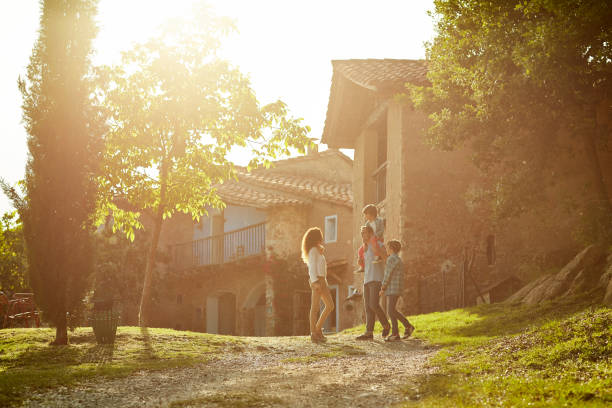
(451, 250)
(238, 270)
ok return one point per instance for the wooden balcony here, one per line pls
(220, 249)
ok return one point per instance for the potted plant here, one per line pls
(105, 317)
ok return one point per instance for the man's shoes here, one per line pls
(386, 331)
(365, 336)
(393, 337)
(408, 332)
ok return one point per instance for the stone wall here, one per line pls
(184, 301)
(323, 166)
(425, 207)
(284, 229)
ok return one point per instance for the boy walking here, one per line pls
(392, 285)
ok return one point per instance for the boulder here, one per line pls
(583, 273)
(527, 289)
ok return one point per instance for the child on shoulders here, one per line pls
(370, 213)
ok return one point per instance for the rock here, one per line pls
(525, 290)
(606, 277)
(583, 273)
(537, 293)
(579, 284)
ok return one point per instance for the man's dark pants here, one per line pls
(371, 300)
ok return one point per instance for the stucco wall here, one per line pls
(285, 228)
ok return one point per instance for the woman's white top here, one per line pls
(317, 267)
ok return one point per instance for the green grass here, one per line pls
(550, 355)
(27, 361)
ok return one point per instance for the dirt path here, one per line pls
(270, 371)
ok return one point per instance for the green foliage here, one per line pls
(12, 254)
(28, 362)
(525, 84)
(64, 130)
(176, 112)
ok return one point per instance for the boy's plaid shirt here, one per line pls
(394, 275)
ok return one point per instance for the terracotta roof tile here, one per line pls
(379, 74)
(242, 194)
(264, 188)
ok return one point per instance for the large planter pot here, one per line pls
(104, 323)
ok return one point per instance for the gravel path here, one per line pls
(266, 371)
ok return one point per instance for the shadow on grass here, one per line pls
(149, 352)
(507, 319)
(82, 349)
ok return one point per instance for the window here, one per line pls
(331, 228)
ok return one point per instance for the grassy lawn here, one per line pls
(27, 360)
(555, 354)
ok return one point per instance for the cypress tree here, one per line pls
(64, 133)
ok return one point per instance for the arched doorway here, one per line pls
(255, 306)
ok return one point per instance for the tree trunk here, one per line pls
(61, 331)
(145, 298)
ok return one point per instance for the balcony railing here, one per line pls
(220, 249)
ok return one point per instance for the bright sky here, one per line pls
(284, 45)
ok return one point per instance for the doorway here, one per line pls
(227, 313)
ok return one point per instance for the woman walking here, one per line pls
(312, 254)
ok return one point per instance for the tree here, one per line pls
(526, 84)
(63, 140)
(12, 254)
(176, 111)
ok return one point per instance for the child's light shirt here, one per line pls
(378, 226)
(372, 224)
(317, 267)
